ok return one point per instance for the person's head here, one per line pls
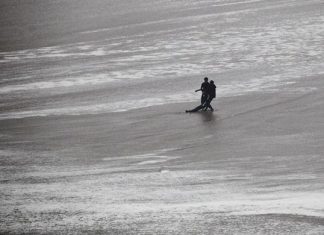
(211, 82)
(206, 79)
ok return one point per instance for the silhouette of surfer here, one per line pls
(204, 89)
(211, 95)
(208, 94)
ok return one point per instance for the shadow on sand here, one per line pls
(207, 116)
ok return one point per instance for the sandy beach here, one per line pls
(254, 166)
(94, 138)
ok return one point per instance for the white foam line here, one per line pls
(163, 159)
(74, 50)
(268, 83)
(174, 20)
(145, 159)
(141, 156)
(101, 108)
(64, 82)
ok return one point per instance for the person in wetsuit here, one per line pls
(211, 95)
(204, 88)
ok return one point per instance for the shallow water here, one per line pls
(125, 55)
(79, 153)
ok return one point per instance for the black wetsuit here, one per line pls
(204, 88)
(204, 97)
(211, 95)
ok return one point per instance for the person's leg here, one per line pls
(209, 105)
(204, 98)
(205, 102)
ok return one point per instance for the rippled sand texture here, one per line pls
(93, 134)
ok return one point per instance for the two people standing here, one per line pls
(208, 90)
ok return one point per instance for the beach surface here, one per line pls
(94, 138)
(253, 166)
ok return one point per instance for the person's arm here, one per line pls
(201, 88)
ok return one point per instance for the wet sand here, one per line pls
(93, 133)
(254, 166)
